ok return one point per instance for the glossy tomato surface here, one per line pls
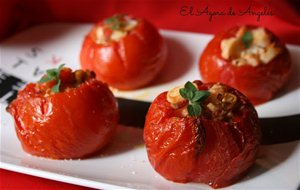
(64, 125)
(130, 63)
(258, 83)
(201, 149)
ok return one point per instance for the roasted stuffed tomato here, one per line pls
(65, 115)
(125, 52)
(207, 133)
(248, 58)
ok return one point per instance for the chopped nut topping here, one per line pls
(212, 107)
(117, 35)
(217, 89)
(240, 33)
(271, 52)
(221, 102)
(231, 48)
(261, 49)
(100, 39)
(79, 76)
(251, 59)
(174, 97)
(131, 24)
(229, 98)
(260, 37)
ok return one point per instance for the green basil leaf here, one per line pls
(190, 95)
(200, 95)
(60, 67)
(190, 86)
(45, 78)
(247, 39)
(52, 73)
(183, 92)
(194, 110)
(113, 22)
(56, 87)
(195, 97)
(109, 20)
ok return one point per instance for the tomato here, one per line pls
(202, 148)
(132, 61)
(73, 123)
(259, 83)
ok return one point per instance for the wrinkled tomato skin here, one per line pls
(258, 83)
(131, 63)
(65, 125)
(215, 152)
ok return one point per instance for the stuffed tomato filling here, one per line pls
(217, 102)
(62, 79)
(114, 29)
(250, 47)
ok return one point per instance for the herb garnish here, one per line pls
(52, 74)
(247, 39)
(114, 22)
(195, 97)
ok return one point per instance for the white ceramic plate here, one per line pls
(124, 164)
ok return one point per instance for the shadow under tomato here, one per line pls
(178, 62)
(269, 157)
(294, 82)
(126, 139)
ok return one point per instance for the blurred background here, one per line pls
(17, 15)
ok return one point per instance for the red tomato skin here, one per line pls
(131, 63)
(174, 144)
(258, 83)
(66, 125)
